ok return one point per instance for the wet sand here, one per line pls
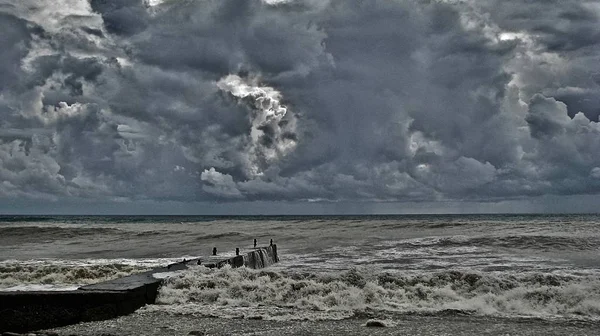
(159, 324)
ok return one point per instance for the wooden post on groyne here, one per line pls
(25, 311)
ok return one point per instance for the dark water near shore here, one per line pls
(332, 267)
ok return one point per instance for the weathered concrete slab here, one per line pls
(135, 281)
(27, 311)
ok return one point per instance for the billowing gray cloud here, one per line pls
(298, 100)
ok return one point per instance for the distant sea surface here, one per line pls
(332, 267)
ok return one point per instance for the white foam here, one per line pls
(283, 295)
(38, 287)
(61, 274)
(165, 275)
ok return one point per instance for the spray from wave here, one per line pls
(278, 295)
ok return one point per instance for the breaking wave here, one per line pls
(22, 275)
(279, 295)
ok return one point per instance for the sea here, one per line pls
(331, 267)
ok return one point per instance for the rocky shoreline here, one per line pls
(164, 324)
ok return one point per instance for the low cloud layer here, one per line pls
(298, 100)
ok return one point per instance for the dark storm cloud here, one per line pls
(122, 17)
(569, 29)
(299, 100)
(560, 25)
(14, 40)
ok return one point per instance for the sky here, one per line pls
(299, 106)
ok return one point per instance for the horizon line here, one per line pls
(301, 215)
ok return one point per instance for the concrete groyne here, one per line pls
(24, 311)
(258, 258)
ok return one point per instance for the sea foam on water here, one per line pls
(291, 295)
(65, 274)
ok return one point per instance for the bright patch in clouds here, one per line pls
(273, 127)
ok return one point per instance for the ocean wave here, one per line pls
(221, 235)
(21, 219)
(537, 242)
(153, 233)
(36, 233)
(17, 273)
(283, 295)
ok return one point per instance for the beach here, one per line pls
(157, 324)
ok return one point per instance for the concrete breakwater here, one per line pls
(258, 258)
(24, 311)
